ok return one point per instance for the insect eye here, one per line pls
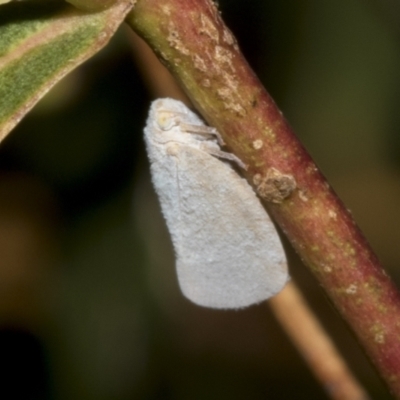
(165, 120)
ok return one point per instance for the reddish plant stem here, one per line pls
(289, 307)
(192, 40)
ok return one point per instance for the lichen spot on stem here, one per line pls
(257, 144)
(275, 186)
(351, 289)
(378, 333)
(208, 28)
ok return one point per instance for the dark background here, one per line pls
(89, 302)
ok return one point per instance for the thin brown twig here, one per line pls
(317, 349)
(158, 80)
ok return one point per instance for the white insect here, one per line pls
(228, 253)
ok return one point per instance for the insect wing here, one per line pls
(228, 252)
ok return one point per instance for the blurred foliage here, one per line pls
(91, 253)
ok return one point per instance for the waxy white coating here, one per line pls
(228, 253)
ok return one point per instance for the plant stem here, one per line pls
(317, 349)
(289, 307)
(192, 40)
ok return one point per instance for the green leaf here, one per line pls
(40, 42)
(92, 5)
